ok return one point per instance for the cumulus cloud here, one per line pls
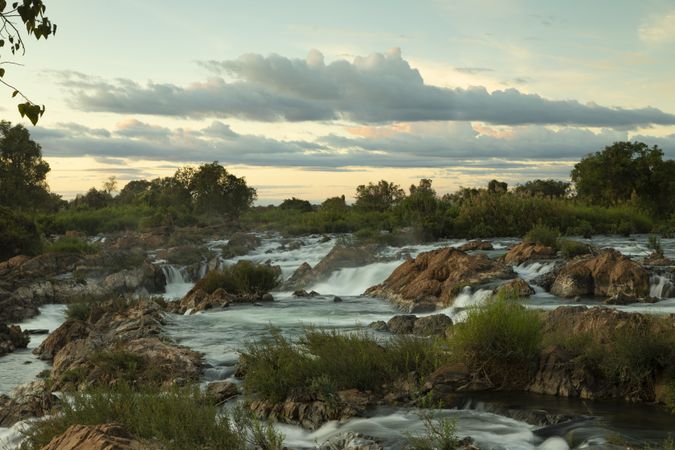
(427, 144)
(378, 88)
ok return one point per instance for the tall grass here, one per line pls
(243, 277)
(329, 361)
(176, 419)
(500, 341)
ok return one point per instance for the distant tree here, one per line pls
(134, 192)
(497, 187)
(544, 188)
(296, 204)
(93, 199)
(627, 171)
(216, 191)
(23, 172)
(334, 204)
(110, 185)
(31, 15)
(378, 197)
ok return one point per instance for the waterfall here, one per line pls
(661, 287)
(355, 280)
(178, 281)
(530, 270)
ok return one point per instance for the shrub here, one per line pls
(18, 235)
(71, 245)
(501, 340)
(543, 234)
(440, 433)
(243, 277)
(176, 419)
(78, 311)
(329, 361)
(570, 248)
(654, 244)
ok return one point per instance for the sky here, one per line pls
(311, 98)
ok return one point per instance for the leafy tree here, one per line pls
(296, 204)
(32, 15)
(627, 171)
(497, 187)
(378, 197)
(134, 192)
(216, 191)
(334, 204)
(545, 188)
(110, 185)
(23, 172)
(18, 234)
(93, 199)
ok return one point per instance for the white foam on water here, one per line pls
(530, 270)
(355, 280)
(178, 282)
(661, 287)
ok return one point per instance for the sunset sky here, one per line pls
(311, 98)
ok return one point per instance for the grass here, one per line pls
(543, 234)
(440, 433)
(330, 361)
(71, 245)
(570, 248)
(243, 277)
(175, 419)
(500, 340)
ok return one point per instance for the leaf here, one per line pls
(22, 108)
(15, 93)
(3, 5)
(2, 72)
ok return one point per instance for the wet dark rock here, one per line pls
(337, 299)
(351, 441)
(434, 325)
(240, 244)
(12, 338)
(304, 294)
(528, 251)
(402, 324)
(476, 245)
(221, 391)
(69, 331)
(379, 325)
(517, 287)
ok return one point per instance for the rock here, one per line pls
(97, 437)
(658, 260)
(303, 293)
(605, 275)
(324, 239)
(402, 324)
(546, 280)
(240, 244)
(434, 325)
(476, 245)
(620, 299)
(337, 299)
(442, 385)
(528, 251)
(12, 338)
(517, 287)
(351, 441)
(221, 391)
(198, 300)
(379, 325)
(310, 414)
(26, 401)
(267, 297)
(69, 331)
(433, 279)
(36, 331)
(340, 256)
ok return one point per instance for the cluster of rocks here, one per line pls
(433, 325)
(197, 300)
(12, 338)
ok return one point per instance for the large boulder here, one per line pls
(340, 257)
(517, 287)
(12, 338)
(475, 245)
(26, 401)
(433, 279)
(69, 331)
(97, 437)
(197, 300)
(403, 324)
(433, 325)
(605, 275)
(528, 251)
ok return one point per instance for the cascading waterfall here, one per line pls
(661, 287)
(178, 281)
(355, 280)
(530, 270)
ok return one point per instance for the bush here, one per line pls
(175, 419)
(501, 340)
(329, 361)
(244, 277)
(18, 235)
(71, 245)
(543, 234)
(654, 244)
(78, 311)
(570, 248)
(440, 433)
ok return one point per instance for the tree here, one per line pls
(378, 197)
(23, 172)
(544, 188)
(32, 16)
(297, 205)
(627, 171)
(497, 187)
(93, 199)
(134, 192)
(335, 204)
(216, 191)
(110, 185)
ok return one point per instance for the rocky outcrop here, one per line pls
(351, 441)
(71, 330)
(340, 257)
(402, 324)
(240, 244)
(221, 391)
(26, 401)
(199, 300)
(433, 325)
(658, 260)
(12, 338)
(528, 251)
(310, 412)
(444, 384)
(124, 341)
(433, 279)
(476, 245)
(605, 275)
(97, 437)
(517, 287)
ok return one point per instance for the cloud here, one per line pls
(659, 29)
(378, 88)
(422, 144)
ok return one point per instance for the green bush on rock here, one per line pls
(243, 277)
